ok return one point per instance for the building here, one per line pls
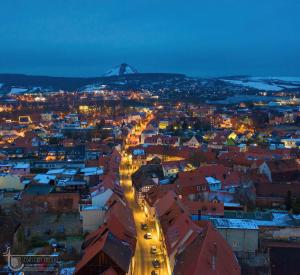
(208, 254)
(104, 252)
(281, 171)
(242, 235)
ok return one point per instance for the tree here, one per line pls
(197, 158)
(245, 194)
(184, 125)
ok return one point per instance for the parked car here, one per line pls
(156, 263)
(17, 196)
(144, 226)
(153, 249)
(148, 235)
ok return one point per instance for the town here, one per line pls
(138, 181)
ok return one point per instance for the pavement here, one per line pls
(143, 257)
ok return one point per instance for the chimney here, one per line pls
(199, 214)
(214, 256)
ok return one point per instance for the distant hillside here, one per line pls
(76, 83)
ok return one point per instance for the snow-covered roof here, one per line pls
(91, 208)
(44, 178)
(231, 204)
(100, 199)
(66, 172)
(235, 224)
(138, 152)
(89, 171)
(212, 180)
(70, 172)
(67, 271)
(21, 166)
(55, 171)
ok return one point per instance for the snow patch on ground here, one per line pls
(112, 72)
(255, 85)
(17, 90)
(291, 79)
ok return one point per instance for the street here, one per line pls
(143, 256)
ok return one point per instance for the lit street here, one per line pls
(143, 256)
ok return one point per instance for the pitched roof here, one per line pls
(204, 207)
(178, 228)
(199, 176)
(286, 165)
(116, 250)
(119, 218)
(208, 253)
(38, 189)
(109, 271)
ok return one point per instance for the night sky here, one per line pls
(196, 37)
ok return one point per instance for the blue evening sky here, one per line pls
(196, 37)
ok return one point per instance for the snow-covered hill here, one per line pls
(121, 70)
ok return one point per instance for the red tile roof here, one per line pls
(109, 271)
(92, 250)
(204, 207)
(178, 228)
(119, 219)
(208, 254)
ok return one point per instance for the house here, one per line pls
(176, 227)
(148, 133)
(202, 210)
(21, 169)
(208, 178)
(118, 218)
(281, 171)
(274, 195)
(10, 181)
(162, 140)
(163, 124)
(242, 235)
(138, 159)
(193, 142)
(93, 215)
(146, 177)
(208, 254)
(42, 198)
(191, 247)
(172, 168)
(291, 142)
(112, 245)
(104, 252)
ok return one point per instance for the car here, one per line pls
(153, 249)
(148, 235)
(144, 226)
(17, 196)
(154, 272)
(156, 263)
